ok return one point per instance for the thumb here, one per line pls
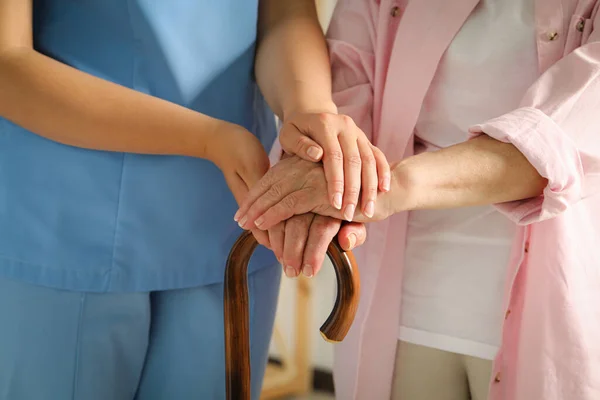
(352, 235)
(293, 141)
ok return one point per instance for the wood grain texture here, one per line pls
(237, 325)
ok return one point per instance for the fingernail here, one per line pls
(313, 152)
(243, 222)
(308, 271)
(337, 201)
(349, 212)
(386, 183)
(259, 221)
(352, 240)
(236, 216)
(370, 209)
(290, 272)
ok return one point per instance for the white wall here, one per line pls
(322, 287)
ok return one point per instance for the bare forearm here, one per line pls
(479, 171)
(74, 108)
(292, 62)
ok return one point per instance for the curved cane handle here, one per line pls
(237, 330)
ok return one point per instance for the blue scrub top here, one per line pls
(99, 221)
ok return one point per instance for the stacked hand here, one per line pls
(304, 201)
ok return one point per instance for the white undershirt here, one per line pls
(456, 259)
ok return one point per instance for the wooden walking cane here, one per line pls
(237, 327)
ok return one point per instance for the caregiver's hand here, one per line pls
(243, 161)
(295, 186)
(301, 242)
(353, 166)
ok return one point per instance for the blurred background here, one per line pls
(300, 360)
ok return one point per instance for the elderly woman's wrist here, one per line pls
(404, 188)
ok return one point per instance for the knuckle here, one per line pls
(265, 182)
(301, 142)
(324, 118)
(334, 155)
(354, 161)
(352, 192)
(275, 191)
(290, 202)
(347, 120)
(371, 192)
(368, 159)
(337, 185)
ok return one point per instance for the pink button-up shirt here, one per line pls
(384, 55)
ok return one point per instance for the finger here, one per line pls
(333, 163)
(322, 231)
(369, 178)
(352, 174)
(383, 169)
(294, 141)
(253, 193)
(277, 191)
(276, 237)
(262, 237)
(296, 233)
(352, 235)
(296, 203)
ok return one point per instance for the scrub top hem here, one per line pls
(113, 280)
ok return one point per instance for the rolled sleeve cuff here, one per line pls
(551, 152)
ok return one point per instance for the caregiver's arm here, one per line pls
(294, 74)
(292, 64)
(74, 108)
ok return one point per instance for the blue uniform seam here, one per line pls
(78, 346)
(117, 215)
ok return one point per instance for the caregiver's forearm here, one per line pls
(68, 106)
(479, 171)
(292, 62)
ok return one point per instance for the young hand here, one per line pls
(243, 161)
(353, 166)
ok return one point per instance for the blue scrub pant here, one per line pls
(168, 345)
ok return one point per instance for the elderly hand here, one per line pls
(300, 243)
(295, 186)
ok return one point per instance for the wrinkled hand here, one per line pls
(301, 242)
(292, 187)
(353, 166)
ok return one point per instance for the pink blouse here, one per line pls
(384, 55)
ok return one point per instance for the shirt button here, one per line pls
(507, 314)
(552, 36)
(497, 378)
(526, 249)
(395, 11)
(580, 25)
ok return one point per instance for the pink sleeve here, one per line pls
(351, 39)
(558, 129)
